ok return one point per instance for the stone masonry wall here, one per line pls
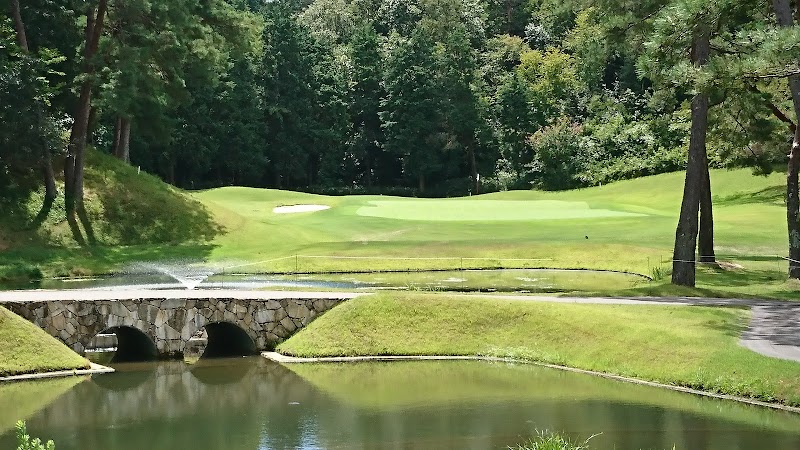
(171, 322)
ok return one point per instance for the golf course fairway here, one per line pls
(625, 226)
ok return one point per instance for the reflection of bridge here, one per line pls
(160, 323)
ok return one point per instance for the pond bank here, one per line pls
(94, 370)
(696, 347)
(284, 359)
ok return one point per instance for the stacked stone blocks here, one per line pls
(171, 322)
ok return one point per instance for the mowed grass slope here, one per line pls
(627, 226)
(134, 216)
(27, 349)
(686, 346)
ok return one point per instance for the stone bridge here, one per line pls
(152, 323)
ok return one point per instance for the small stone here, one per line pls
(287, 323)
(59, 321)
(265, 315)
(296, 310)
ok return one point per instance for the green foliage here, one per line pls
(20, 272)
(546, 440)
(420, 97)
(559, 157)
(25, 442)
(27, 123)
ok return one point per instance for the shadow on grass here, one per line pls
(55, 261)
(772, 194)
(138, 208)
(718, 277)
(727, 327)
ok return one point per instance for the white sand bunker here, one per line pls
(289, 209)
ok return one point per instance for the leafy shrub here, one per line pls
(20, 272)
(25, 442)
(546, 440)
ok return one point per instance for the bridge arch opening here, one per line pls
(124, 344)
(221, 340)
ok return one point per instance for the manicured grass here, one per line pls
(27, 349)
(449, 210)
(687, 346)
(516, 229)
(626, 226)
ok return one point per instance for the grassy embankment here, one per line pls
(627, 226)
(686, 346)
(135, 217)
(27, 349)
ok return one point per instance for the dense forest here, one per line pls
(413, 97)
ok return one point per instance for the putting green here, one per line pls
(484, 210)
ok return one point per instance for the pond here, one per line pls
(502, 280)
(252, 403)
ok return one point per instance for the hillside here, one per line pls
(134, 215)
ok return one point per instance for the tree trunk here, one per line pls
(783, 14)
(117, 132)
(122, 139)
(74, 164)
(474, 168)
(19, 26)
(49, 178)
(421, 184)
(793, 205)
(683, 260)
(705, 242)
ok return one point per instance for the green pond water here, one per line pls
(251, 403)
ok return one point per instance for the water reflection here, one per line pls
(523, 280)
(250, 403)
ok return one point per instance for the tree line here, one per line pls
(415, 97)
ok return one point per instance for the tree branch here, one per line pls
(771, 76)
(780, 115)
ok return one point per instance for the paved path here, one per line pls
(110, 294)
(774, 329)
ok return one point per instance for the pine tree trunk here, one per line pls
(683, 264)
(74, 165)
(49, 178)
(50, 190)
(793, 205)
(19, 26)
(117, 135)
(783, 14)
(705, 242)
(474, 168)
(124, 146)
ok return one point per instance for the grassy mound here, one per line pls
(687, 346)
(27, 349)
(133, 216)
